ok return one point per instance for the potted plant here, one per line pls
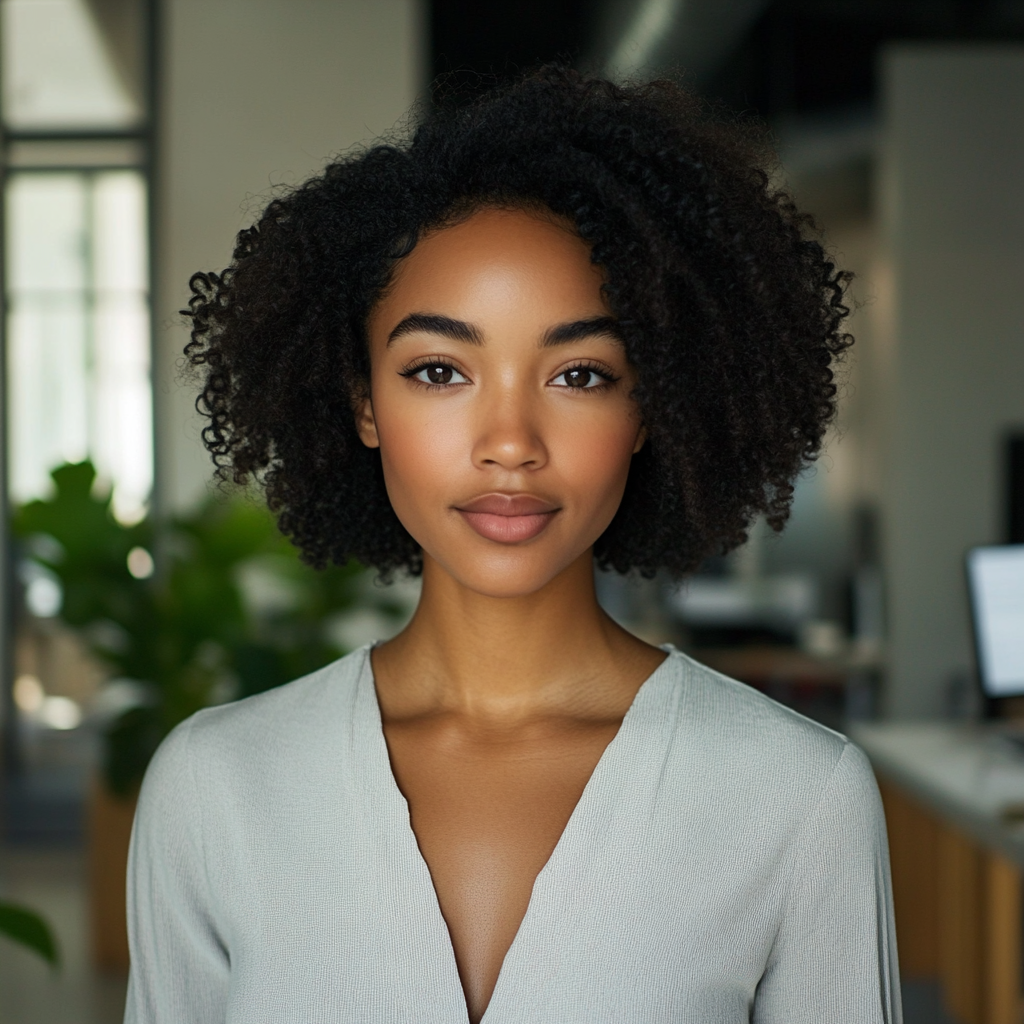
(192, 611)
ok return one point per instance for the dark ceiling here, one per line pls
(795, 57)
(475, 43)
(811, 56)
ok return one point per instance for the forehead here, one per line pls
(498, 263)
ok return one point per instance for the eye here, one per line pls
(435, 373)
(582, 378)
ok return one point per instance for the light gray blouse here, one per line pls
(726, 863)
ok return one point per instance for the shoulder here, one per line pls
(752, 749)
(296, 707)
(731, 713)
(244, 735)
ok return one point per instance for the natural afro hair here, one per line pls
(730, 311)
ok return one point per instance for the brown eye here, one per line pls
(582, 378)
(578, 378)
(438, 374)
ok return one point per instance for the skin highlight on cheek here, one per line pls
(500, 400)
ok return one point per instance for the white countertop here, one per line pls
(965, 773)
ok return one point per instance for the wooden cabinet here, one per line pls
(958, 912)
(110, 826)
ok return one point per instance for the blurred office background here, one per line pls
(138, 136)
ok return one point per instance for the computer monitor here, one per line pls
(995, 578)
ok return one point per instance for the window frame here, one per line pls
(144, 136)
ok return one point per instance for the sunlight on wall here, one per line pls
(56, 69)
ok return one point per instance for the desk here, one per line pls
(954, 805)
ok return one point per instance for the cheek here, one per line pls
(594, 451)
(420, 443)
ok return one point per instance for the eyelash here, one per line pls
(607, 377)
(411, 371)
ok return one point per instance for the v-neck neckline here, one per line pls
(590, 795)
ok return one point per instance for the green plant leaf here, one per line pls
(24, 926)
(230, 611)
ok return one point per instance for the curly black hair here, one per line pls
(730, 310)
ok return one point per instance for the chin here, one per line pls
(508, 573)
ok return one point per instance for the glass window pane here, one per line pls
(62, 70)
(46, 326)
(78, 331)
(47, 403)
(119, 231)
(46, 232)
(123, 447)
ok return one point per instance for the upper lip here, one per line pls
(508, 505)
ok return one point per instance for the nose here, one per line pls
(509, 434)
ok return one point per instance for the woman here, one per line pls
(572, 322)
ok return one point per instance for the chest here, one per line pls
(488, 812)
(628, 921)
(469, 793)
(642, 912)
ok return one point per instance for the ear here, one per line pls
(641, 438)
(366, 425)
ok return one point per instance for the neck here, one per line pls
(508, 658)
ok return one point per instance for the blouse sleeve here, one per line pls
(179, 964)
(834, 958)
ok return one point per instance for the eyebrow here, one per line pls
(434, 323)
(595, 327)
(459, 330)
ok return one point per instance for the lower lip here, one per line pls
(508, 529)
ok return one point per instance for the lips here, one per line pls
(508, 518)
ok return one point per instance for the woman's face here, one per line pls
(500, 400)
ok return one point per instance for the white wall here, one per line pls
(255, 93)
(953, 216)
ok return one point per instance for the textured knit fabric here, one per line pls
(726, 863)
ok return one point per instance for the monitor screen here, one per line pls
(996, 578)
